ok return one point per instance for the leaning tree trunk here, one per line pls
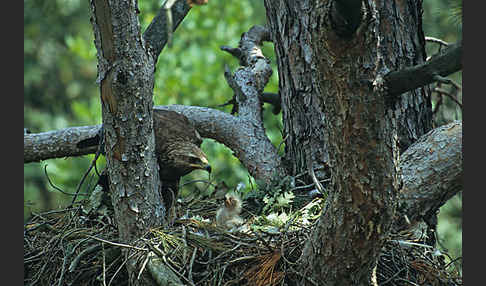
(331, 57)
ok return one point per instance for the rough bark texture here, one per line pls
(126, 77)
(400, 25)
(436, 181)
(59, 143)
(432, 173)
(304, 123)
(443, 64)
(248, 83)
(330, 116)
(260, 157)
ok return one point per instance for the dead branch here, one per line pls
(54, 186)
(248, 83)
(445, 80)
(273, 99)
(443, 92)
(437, 41)
(245, 134)
(233, 132)
(238, 257)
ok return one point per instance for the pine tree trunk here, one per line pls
(335, 112)
(126, 78)
(304, 122)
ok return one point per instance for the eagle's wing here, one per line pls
(175, 139)
(170, 127)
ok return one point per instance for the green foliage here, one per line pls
(270, 223)
(277, 200)
(443, 19)
(59, 59)
(60, 70)
(283, 220)
(191, 73)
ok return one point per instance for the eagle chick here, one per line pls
(228, 215)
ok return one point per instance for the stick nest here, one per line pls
(78, 246)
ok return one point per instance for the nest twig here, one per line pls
(73, 247)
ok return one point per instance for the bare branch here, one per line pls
(432, 171)
(248, 83)
(437, 41)
(156, 35)
(445, 80)
(443, 92)
(443, 64)
(235, 52)
(260, 158)
(242, 136)
(248, 50)
(273, 99)
(429, 179)
(58, 144)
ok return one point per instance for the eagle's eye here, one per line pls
(194, 160)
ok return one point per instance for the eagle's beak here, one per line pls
(208, 168)
(204, 164)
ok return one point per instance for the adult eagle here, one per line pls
(177, 145)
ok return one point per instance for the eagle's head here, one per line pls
(182, 158)
(177, 145)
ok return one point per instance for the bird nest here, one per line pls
(78, 246)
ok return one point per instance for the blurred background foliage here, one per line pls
(60, 70)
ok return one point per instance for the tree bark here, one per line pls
(331, 117)
(327, 56)
(260, 157)
(126, 78)
(432, 173)
(59, 143)
(303, 121)
(437, 180)
(156, 35)
(248, 83)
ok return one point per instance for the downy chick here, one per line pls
(228, 215)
